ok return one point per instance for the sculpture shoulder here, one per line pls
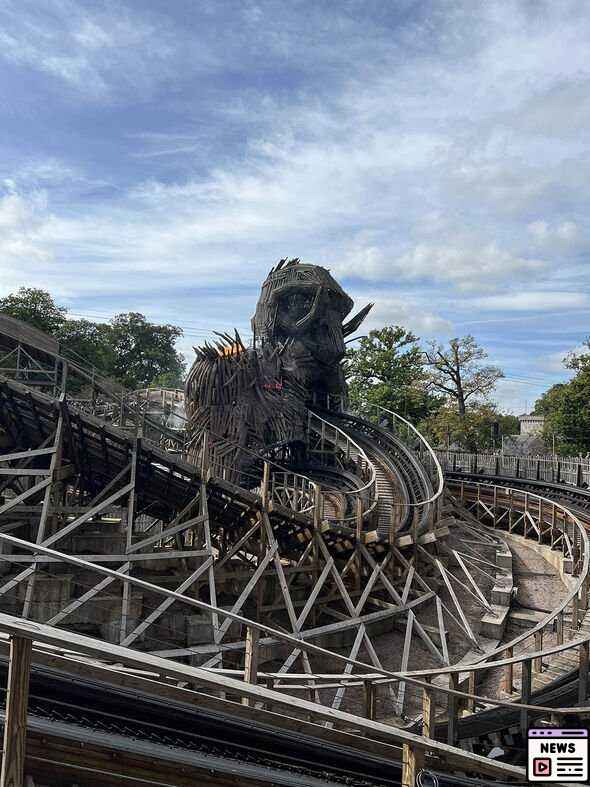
(217, 374)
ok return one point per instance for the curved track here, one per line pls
(398, 462)
(490, 727)
(97, 453)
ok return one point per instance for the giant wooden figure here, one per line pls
(257, 398)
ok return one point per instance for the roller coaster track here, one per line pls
(50, 438)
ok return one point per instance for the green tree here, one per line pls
(130, 349)
(457, 372)
(144, 351)
(35, 307)
(567, 413)
(579, 361)
(386, 369)
(479, 429)
(88, 342)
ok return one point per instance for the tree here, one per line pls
(479, 429)
(144, 351)
(88, 342)
(130, 349)
(457, 371)
(567, 413)
(35, 307)
(386, 369)
(578, 361)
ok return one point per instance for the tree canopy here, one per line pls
(129, 348)
(480, 428)
(457, 372)
(35, 307)
(566, 407)
(386, 369)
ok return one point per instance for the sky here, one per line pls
(161, 156)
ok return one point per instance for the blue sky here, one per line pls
(161, 156)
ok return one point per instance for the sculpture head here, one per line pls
(304, 307)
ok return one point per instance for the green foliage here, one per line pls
(129, 349)
(87, 343)
(144, 351)
(386, 369)
(579, 361)
(35, 307)
(474, 431)
(566, 407)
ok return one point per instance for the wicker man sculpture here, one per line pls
(257, 398)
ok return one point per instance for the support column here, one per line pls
(370, 700)
(413, 763)
(538, 663)
(525, 694)
(428, 713)
(509, 672)
(251, 659)
(453, 710)
(15, 722)
(584, 663)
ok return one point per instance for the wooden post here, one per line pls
(413, 763)
(370, 700)
(538, 663)
(560, 629)
(525, 695)
(265, 484)
(270, 684)
(470, 704)
(15, 724)
(428, 712)
(509, 672)
(251, 659)
(584, 663)
(575, 614)
(453, 710)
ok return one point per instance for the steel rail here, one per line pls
(429, 450)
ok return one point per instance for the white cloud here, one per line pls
(399, 158)
(98, 53)
(409, 312)
(556, 235)
(467, 267)
(534, 300)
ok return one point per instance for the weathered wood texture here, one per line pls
(15, 726)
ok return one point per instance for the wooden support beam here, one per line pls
(428, 712)
(584, 664)
(370, 691)
(251, 659)
(15, 724)
(538, 662)
(525, 694)
(412, 763)
(453, 710)
(509, 672)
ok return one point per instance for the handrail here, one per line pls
(77, 645)
(429, 449)
(366, 466)
(352, 442)
(411, 678)
(571, 471)
(578, 585)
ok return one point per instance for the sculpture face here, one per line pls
(302, 305)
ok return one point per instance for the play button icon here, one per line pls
(541, 766)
